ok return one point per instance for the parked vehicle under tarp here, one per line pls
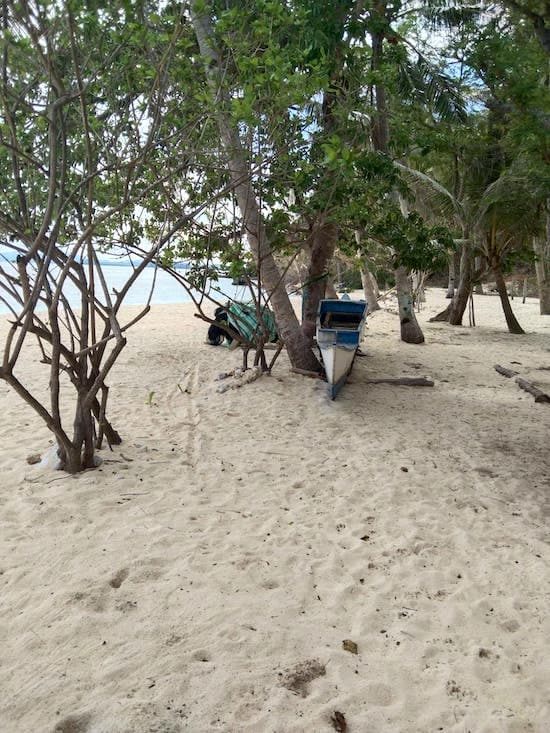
(243, 319)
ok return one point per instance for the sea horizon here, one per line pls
(166, 290)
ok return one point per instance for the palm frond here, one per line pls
(434, 193)
(422, 82)
(517, 201)
(442, 14)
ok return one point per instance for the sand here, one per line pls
(206, 577)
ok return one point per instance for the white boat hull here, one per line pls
(337, 361)
(339, 331)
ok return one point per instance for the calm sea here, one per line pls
(166, 289)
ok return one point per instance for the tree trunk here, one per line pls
(297, 345)
(442, 317)
(411, 332)
(79, 453)
(418, 279)
(452, 276)
(104, 426)
(374, 284)
(464, 290)
(322, 245)
(380, 124)
(541, 249)
(370, 294)
(511, 321)
(330, 290)
(478, 287)
(454, 312)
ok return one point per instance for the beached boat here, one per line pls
(340, 325)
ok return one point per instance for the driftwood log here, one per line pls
(505, 372)
(538, 394)
(403, 381)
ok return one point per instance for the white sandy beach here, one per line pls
(219, 558)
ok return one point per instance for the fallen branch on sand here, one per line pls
(306, 373)
(537, 393)
(403, 381)
(505, 372)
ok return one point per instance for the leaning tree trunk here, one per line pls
(443, 316)
(322, 245)
(541, 249)
(368, 289)
(511, 320)
(454, 312)
(368, 281)
(411, 333)
(374, 282)
(297, 345)
(464, 290)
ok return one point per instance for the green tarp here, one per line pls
(244, 319)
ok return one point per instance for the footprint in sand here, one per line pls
(73, 724)
(511, 625)
(379, 694)
(96, 599)
(189, 418)
(118, 579)
(297, 678)
(126, 606)
(201, 655)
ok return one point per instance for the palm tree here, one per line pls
(493, 222)
(417, 80)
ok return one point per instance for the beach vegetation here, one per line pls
(489, 181)
(82, 93)
(263, 138)
(301, 100)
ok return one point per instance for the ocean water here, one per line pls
(166, 288)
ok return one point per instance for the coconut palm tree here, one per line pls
(493, 221)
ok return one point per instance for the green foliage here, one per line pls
(122, 145)
(351, 280)
(514, 68)
(300, 82)
(442, 14)
(299, 79)
(414, 245)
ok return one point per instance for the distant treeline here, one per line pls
(12, 256)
